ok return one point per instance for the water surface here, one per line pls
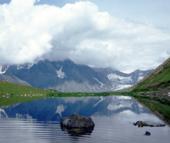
(38, 121)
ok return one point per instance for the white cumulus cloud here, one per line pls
(78, 31)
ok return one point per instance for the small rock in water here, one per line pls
(147, 133)
(77, 124)
(139, 124)
(148, 124)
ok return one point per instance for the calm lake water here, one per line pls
(38, 121)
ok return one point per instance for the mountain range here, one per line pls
(68, 76)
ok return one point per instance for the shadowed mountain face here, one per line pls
(13, 79)
(68, 76)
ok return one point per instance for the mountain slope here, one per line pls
(122, 80)
(158, 80)
(59, 75)
(12, 79)
(68, 76)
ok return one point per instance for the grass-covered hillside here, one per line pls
(158, 80)
(11, 93)
(7, 88)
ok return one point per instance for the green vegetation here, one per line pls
(17, 89)
(85, 94)
(11, 93)
(159, 79)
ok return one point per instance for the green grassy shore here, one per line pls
(11, 93)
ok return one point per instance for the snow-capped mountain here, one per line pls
(120, 80)
(69, 76)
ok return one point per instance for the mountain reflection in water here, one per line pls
(38, 121)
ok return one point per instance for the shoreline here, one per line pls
(159, 106)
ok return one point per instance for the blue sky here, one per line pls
(122, 34)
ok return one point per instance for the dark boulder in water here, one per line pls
(77, 124)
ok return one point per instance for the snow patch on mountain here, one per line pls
(115, 77)
(100, 83)
(3, 69)
(122, 86)
(60, 73)
(25, 66)
(140, 78)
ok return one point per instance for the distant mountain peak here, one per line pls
(68, 76)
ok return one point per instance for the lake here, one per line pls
(38, 121)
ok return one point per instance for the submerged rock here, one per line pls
(148, 124)
(77, 124)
